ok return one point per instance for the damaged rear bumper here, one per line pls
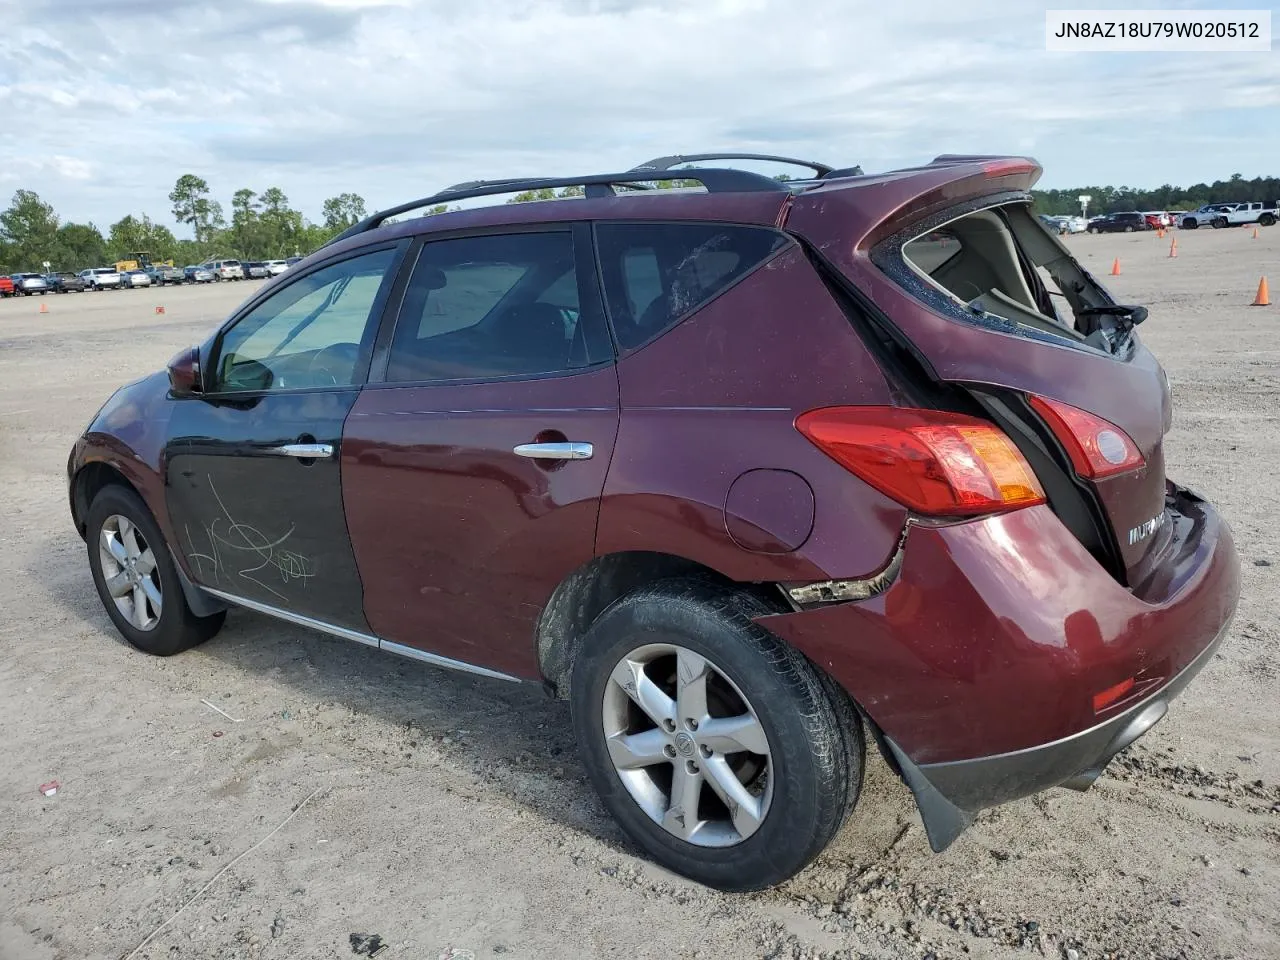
(980, 664)
(951, 794)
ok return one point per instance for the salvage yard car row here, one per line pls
(109, 278)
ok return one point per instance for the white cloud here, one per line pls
(393, 99)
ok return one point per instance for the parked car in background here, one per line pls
(1076, 224)
(935, 519)
(6, 286)
(197, 273)
(27, 284)
(1242, 214)
(226, 269)
(1126, 222)
(1206, 215)
(290, 261)
(135, 278)
(276, 267)
(255, 270)
(162, 274)
(1053, 224)
(1157, 220)
(100, 278)
(65, 283)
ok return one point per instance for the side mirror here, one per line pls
(184, 373)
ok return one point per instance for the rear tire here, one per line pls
(1219, 223)
(1267, 220)
(767, 729)
(1094, 230)
(136, 579)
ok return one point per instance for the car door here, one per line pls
(253, 483)
(474, 460)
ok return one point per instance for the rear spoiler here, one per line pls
(885, 203)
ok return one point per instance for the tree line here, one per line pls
(263, 226)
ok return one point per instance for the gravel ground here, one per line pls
(450, 817)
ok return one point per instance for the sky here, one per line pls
(107, 104)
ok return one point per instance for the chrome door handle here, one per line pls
(554, 451)
(303, 451)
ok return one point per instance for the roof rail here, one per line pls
(666, 163)
(715, 181)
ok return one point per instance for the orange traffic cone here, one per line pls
(44, 308)
(1255, 233)
(1263, 299)
(159, 310)
(1173, 247)
(1115, 267)
(1160, 233)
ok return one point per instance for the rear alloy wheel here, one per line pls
(1267, 220)
(136, 579)
(1128, 229)
(1219, 223)
(720, 750)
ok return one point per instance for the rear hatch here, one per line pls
(952, 268)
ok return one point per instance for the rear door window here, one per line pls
(656, 274)
(496, 306)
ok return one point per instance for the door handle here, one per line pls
(303, 451)
(568, 450)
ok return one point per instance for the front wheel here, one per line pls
(1094, 230)
(721, 751)
(136, 578)
(1219, 223)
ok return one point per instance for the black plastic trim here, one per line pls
(714, 179)
(666, 163)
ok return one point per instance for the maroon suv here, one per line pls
(744, 469)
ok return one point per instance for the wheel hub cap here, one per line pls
(687, 745)
(129, 572)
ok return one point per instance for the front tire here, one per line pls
(721, 751)
(136, 579)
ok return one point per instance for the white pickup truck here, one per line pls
(1231, 215)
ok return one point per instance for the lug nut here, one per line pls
(691, 766)
(691, 724)
(670, 751)
(706, 751)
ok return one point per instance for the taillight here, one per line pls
(1097, 447)
(931, 461)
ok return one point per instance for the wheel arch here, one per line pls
(589, 590)
(94, 477)
(88, 481)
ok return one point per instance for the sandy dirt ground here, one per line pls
(450, 815)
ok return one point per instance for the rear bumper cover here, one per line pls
(950, 794)
(980, 662)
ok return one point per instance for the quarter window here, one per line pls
(655, 274)
(312, 333)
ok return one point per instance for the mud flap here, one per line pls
(943, 820)
(201, 603)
